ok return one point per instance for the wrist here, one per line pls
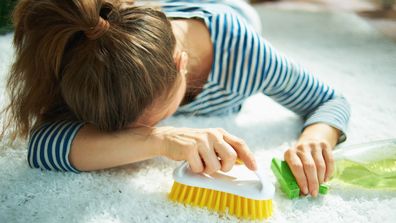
(147, 139)
(157, 139)
(320, 132)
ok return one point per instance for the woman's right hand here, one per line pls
(206, 150)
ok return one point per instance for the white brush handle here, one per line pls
(179, 172)
(262, 189)
(262, 179)
(259, 174)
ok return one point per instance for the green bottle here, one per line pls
(370, 165)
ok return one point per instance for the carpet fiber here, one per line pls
(341, 48)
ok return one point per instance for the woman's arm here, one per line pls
(73, 146)
(95, 150)
(202, 148)
(326, 112)
(254, 65)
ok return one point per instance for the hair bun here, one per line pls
(96, 32)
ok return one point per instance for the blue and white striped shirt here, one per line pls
(244, 64)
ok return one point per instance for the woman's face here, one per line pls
(163, 108)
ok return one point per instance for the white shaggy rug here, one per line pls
(341, 48)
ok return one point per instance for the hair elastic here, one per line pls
(98, 31)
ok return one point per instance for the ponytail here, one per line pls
(89, 60)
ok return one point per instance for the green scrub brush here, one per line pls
(287, 181)
(370, 165)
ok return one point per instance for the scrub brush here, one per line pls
(287, 181)
(244, 193)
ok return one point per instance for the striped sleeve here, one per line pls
(300, 91)
(261, 68)
(49, 146)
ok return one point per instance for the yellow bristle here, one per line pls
(231, 206)
(197, 196)
(218, 201)
(252, 205)
(268, 208)
(265, 209)
(245, 210)
(203, 199)
(183, 190)
(216, 197)
(238, 209)
(191, 192)
(259, 211)
(259, 208)
(223, 201)
(209, 201)
(175, 191)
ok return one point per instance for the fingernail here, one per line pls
(254, 165)
(315, 193)
(305, 190)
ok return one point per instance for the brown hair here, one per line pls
(59, 73)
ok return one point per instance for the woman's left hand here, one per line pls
(311, 159)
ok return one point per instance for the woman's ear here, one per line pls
(181, 61)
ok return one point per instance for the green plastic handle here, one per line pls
(287, 181)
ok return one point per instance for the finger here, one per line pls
(227, 155)
(319, 163)
(207, 156)
(186, 149)
(310, 171)
(297, 169)
(211, 161)
(195, 161)
(329, 160)
(241, 149)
